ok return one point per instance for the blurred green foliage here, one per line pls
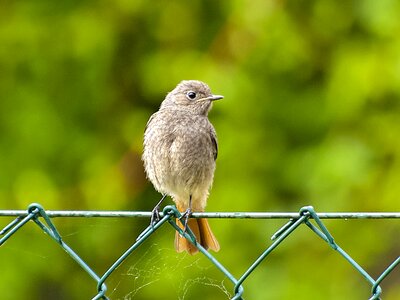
(310, 117)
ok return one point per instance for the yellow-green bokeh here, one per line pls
(310, 117)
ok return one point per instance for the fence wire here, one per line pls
(306, 216)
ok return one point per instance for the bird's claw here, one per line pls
(155, 216)
(155, 213)
(186, 215)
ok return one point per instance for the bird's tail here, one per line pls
(202, 231)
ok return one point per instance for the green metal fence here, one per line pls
(306, 216)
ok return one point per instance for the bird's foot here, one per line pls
(186, 215)
(155, 213)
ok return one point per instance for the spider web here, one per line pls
(161, 273)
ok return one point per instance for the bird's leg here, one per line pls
(187, 214)
(155, 213)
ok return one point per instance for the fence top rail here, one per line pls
(211, 215)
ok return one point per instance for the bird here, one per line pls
(180, 150)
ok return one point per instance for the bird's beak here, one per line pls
(215, 97)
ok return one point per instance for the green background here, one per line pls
(310, 117)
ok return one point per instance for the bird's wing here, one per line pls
(214, 141)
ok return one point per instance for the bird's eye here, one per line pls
(191, 95)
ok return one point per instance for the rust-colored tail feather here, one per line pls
(201, 229)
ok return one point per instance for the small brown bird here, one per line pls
(180, 148)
